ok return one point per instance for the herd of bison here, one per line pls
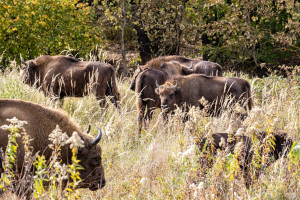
(165, 82)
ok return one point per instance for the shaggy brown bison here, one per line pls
(61, 76)
(41, 121)
(281, 146)
(174, 68)
(157, 62)
(146, 98)
(208, 68)
(186, 91)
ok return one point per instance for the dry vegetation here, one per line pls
(163, 163)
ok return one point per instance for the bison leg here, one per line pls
(102, 101)
(114, 101)
(141, 112)
(140, 123)
(112, 97)
(148, 117)
(61, 102)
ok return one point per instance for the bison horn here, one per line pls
(88, 129)
(191, 66)
(176, 84)
(157, 84)
(22, 60)
(139, 67)
(97, 139)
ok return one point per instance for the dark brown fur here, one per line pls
(41, 122)
(157, 62)
(208, 68)
(192, 88)
(175, 68)
(146, 98)
(61, 76)
(281, 148)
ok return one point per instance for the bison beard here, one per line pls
(225, 141)
(41, 121)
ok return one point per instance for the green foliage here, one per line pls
(294, 154)
(250, 32)
(74, 175)
(42, 175)
(36, 27)
(242, 34)
(10, 157)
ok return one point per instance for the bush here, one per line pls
(35, 27)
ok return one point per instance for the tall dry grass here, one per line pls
(163, 163)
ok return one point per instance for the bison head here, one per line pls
(282, 144)
(168, 95)
(136, 73)
(29, 71)
(92, 174)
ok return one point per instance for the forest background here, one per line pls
(253, 36)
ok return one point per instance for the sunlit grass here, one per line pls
(156, 165)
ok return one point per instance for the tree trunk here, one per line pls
(124, 64)
(144, 44)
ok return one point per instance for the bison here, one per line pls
(60, 76)
(222, 141)
(157, 62)
(146, 98)
(208, 68)
(41, 121)
(185, 91)
(175, 68)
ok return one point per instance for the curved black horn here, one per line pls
(97, 139)
(88, 129)
(191, 66)
(157, 84)
(176, 84)
(139, 67)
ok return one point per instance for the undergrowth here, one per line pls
(164, 162)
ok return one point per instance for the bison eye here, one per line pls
(172, 95)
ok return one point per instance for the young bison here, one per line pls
(186, 91)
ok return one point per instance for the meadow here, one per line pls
(164, 162)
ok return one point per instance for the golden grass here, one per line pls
(163, 163)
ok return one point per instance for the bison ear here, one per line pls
(177, 90)
(157, 90)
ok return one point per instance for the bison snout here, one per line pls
(103, 183)
(132, 86)
(165, 107)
